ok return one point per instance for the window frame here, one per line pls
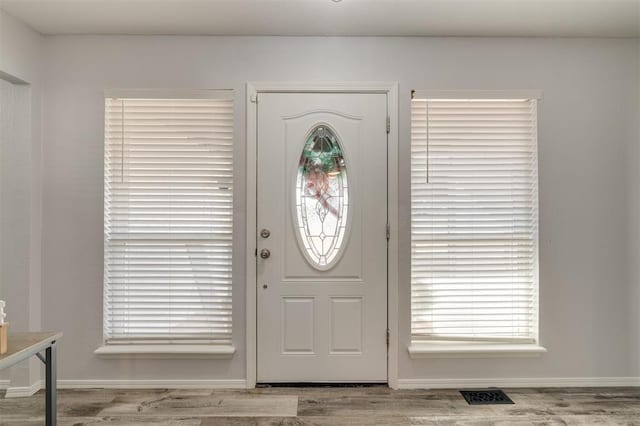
(164, 350)
(420, 348)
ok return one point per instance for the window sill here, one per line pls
(166, 351)
(419, 350)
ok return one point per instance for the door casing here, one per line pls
(253, 89)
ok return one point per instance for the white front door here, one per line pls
(321, 230)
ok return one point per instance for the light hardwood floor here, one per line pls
(375, 405)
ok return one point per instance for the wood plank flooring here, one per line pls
(357, 406)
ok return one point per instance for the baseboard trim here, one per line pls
(542, 382)
(23, 391)
(152, 384)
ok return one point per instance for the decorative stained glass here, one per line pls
(322, 197)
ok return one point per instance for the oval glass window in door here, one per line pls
(322, 198)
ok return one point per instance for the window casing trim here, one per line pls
(476, 94)
(169, 93)
(167, 347)
(166, 351)
(422, 349)
(439, 347)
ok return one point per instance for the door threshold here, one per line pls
(320, 385)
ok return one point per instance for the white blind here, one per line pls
(168, 198)
(474, 220)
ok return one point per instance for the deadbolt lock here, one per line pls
(265, 253)
(265, 233)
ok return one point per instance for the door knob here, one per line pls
(265, 253)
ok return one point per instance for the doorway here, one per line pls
(319, 282)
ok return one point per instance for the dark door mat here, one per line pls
(486, 397)
(318, 385)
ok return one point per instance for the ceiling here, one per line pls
(540, 18)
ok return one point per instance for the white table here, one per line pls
(24, 345)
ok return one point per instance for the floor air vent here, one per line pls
(486, 397)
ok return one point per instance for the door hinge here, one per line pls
(388, 125)
(254, 98)
(388, 337)
(388, 232)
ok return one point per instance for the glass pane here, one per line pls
(322, 197)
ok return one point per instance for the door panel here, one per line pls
(322, 195)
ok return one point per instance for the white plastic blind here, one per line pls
(168, 198)
(474, 220)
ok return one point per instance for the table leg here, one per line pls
(50, 396)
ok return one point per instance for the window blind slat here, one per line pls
(474, 219)
(168, 220)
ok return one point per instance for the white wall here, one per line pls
(20, 180)
(20, 49)
(587, 126)
(633, 166)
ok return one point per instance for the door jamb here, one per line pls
(252, 90)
